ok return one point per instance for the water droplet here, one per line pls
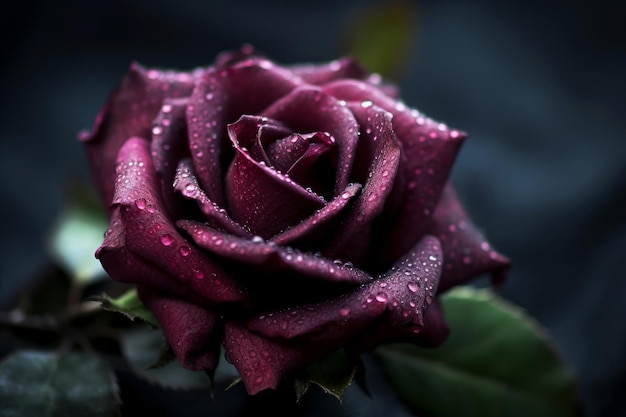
(413, 286)
(344, 311)
(258, 239)
(381, 297)
(167, 239)
(184, 250)
(198, 274)
(157, 130)
(141, 203)
(366, 103)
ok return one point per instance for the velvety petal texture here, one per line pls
(281, 213)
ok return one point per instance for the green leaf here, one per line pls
(77, 234)
(128, 304)
(333, 374)
(147, 353)
(43, 384)
(496, 362)
(381, 37)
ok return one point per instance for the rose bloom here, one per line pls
(281, 212)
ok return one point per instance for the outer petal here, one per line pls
(269, 347)
(129, 112)
(262, 363)
(169, 144)
(308, 109)
(335, 70)
(467, 253)
(404, 293)
(150, 236)
(192, 332)
(429, 151)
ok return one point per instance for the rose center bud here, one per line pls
(277, 177)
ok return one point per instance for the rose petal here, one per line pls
(219, 98)
(268, 348)
(206, 116)
(429, 149)
(313, 165)
(268, 257)
(150, 235)
(404, 293)
(309, 109)
(433, 333)
(436, 329)
(130, 111)
(186, 184)
(192, 332)
(125, 266)
(228, 58)
(262, 363)
(379, 148)
(256, 132)
(320, 74)
(467, 254)
(169, 144)
(256, 195)
(319, 219)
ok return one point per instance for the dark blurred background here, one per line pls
(539, 86)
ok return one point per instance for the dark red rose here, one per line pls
(282, 212)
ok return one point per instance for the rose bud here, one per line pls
(281, 212)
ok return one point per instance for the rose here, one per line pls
(281, 212)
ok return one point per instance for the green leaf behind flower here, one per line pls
(496, 362)
(128, 304)
(333, 374)
(77, 234)
(149, 356)
(44, 384)
(381, 37)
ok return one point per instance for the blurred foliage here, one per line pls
(496, 362)
(382, 37)
(78, 233)
(46, 384)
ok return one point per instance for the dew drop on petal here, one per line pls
(141, 203)
(381, 297)
(344, 311)
(167, 239)
(184, 250)
(413, 286)
(198, 274)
